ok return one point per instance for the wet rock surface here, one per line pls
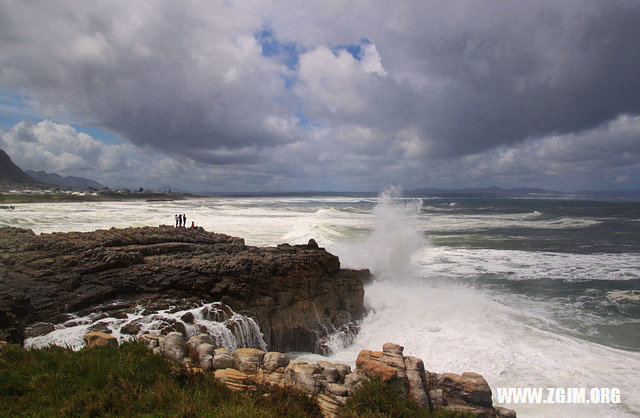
(296, 293)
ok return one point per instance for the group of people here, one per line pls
(181, 221)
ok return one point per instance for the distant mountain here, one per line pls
(491, 192)
(67, 181)
(523, 192)
(11, 173)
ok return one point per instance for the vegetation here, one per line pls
(126, 381)
(375, 398)
(131, 381)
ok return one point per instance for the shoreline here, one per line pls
(110, 197)
(55, 277)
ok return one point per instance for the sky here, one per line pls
(250, 96)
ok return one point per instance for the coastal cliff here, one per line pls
(297, 294)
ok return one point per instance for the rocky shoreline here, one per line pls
(330, 384)
(297, 294)
(213, 304)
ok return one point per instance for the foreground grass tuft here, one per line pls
(128, 380)
(377, 399)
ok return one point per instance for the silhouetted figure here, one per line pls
(176, 221)
(193, 225)
(184, 220)
(179, 220)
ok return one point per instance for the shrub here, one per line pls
(375, 398)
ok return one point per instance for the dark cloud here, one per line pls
(335, 96)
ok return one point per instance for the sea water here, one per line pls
(528, 293)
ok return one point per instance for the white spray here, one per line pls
(387, 251)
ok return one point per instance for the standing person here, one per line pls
(176, 220)
(193, 225)
(184, 220)
(179, 220)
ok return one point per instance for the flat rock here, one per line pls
(235, 379)
(99, 339)
(296, 293)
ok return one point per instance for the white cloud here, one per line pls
(331, 81)
(504, 90)
(371, 62)
(60, 148)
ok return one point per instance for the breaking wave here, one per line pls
(227, 328)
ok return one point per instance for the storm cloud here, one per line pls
(283, 95)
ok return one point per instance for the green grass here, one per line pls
(131, 381)
(377, 399)
(126, 381)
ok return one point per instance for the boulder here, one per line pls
(387, 365)
(417, 381)
(305, 377)
(329, 371)
(343, 370)
(393, 357)
(194, 342)
(188, 318)
(370, 364)
(150, 340)
(275, 378)
(222, 359)
(100, 326)
(436, 398)
(332, 383)
(274, 360)
(173, 346)
(204, 356)
(353, 379)
(336, 389)
(468, 388)
(99, 339)
(248, 360)
(392, 349)
(505, 412)
(330, 405)
(131, 328)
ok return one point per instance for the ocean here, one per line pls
(526, 292)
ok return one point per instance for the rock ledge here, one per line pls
(296, 293)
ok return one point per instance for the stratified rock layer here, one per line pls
(331, 384)
(297, 294)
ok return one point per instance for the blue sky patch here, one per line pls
(101, 135)
(354, 49)
(287, 52)
(13, 109)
